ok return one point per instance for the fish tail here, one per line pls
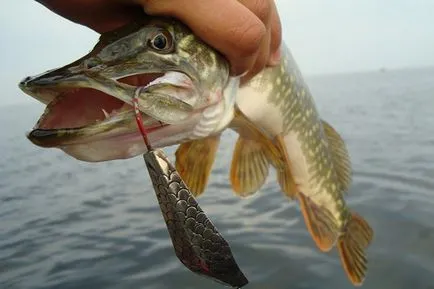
(351, 247)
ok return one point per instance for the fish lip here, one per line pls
(55, 138)
(45, 89)
(100, 130)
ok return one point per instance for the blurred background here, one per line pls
(70, 224)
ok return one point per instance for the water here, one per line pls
(68, 224)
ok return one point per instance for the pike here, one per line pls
(187, 97)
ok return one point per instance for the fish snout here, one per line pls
(48, 78)
(28, 84)
(51, 79)
(23, 84)
(24, 81)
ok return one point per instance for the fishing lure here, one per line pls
(197, 243)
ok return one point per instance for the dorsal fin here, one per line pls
(194, 162)
(339, 152)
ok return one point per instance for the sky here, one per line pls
(334, 36)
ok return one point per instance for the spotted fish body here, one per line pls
(279, 101)
(316, 168)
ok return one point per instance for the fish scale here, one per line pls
(302, 118)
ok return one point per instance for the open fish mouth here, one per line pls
(92, 125)
(82, 114)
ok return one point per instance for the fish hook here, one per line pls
(139, 119)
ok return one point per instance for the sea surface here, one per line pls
(66, 224)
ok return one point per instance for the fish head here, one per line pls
(179, 81)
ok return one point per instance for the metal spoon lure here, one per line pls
(197, 243)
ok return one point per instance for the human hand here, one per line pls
(247, 32)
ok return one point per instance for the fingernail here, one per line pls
(236, 71)
(241, 66)
(275, 57)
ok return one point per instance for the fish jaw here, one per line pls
(128, 145)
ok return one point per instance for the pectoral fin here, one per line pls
(351, 248)
(194, 162)
(249, 168)
(319, 222)
(284, 174)
(339, 152)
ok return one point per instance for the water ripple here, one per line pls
(68, 224)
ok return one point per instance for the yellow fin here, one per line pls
(340, 156)
(248, 130)
(319, 223)
(284, 175)
(249, 168)
(351, 247)
(194, 162)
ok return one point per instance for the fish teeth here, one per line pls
(105, 113)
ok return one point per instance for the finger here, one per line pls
(233, 30)
(261, 8)
(261, 58)
(99, 15)
(113, 17)
(276, 36)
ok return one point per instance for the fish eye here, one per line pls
(161, 41)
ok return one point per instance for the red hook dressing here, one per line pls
(139, 120)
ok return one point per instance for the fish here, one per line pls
(197, 242)
(188, 98)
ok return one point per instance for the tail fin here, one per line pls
(352, 247)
